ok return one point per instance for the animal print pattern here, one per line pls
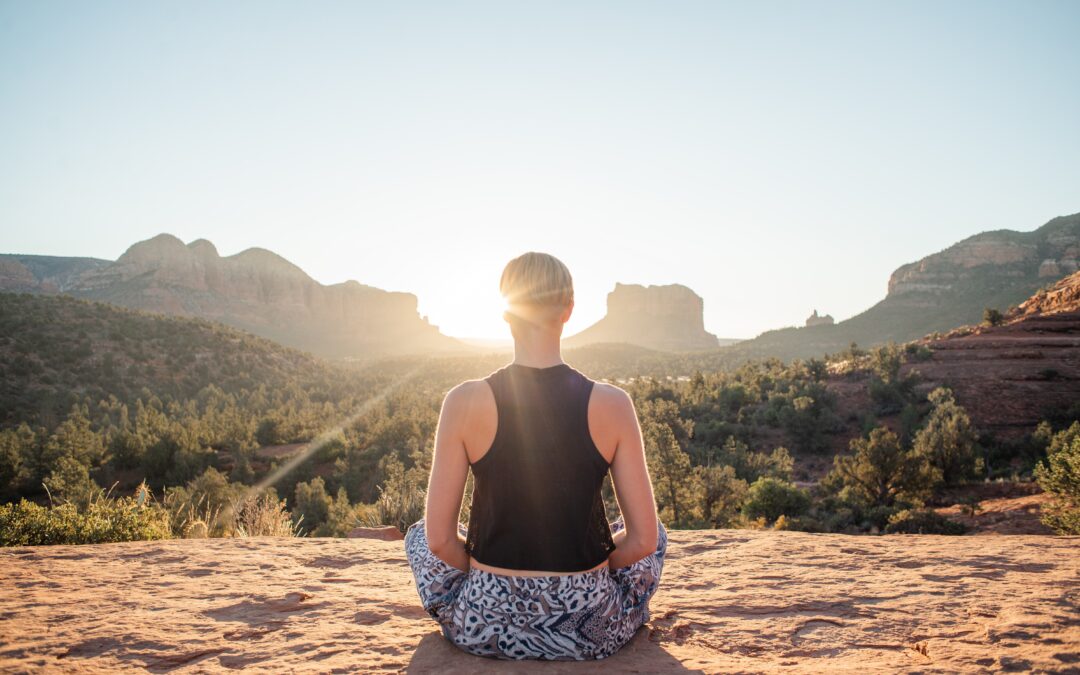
(587, 615)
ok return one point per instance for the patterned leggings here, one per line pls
(586, 615)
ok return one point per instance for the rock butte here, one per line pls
(667, 317)
(730, 600)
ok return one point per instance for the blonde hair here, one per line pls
(537, 279)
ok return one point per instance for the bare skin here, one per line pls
(466, 429)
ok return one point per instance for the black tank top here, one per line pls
(536, 501)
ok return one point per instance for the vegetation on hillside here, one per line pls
(233, 434)
(1060, 477)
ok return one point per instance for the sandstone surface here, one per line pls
(729, 601)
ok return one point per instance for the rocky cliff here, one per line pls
(258, 291)
(729, 601)
(942, 291)
(658, 317)
(1011, 377)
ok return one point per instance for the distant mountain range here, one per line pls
(256, 290)
(951, 288)
(261, 292)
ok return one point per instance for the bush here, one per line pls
(798, 524)
(401, 498)
(880, 472)
(312, 503)
(723, 496)
(104, 520)
(913, 351)
(922, 521)
(1060, 477)
(770, 498)
(263, 516)
(750, 465)
(992, 317)
(948, 439)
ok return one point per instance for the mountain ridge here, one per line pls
(256, 290)
(941, 291)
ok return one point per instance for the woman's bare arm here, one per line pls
(449, 469)
(633, 488)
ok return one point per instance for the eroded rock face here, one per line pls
(658, 317)
(1064, 296)
(259, 291)
(942, 291)
(1048, 252)
(1011, 377)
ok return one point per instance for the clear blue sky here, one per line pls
(774, 156)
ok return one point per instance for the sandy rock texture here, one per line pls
(730, 601)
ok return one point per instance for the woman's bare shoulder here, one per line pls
(609, 399)
(469, 394)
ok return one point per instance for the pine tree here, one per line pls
(881, 473)
(676, 484)
(1059, 476)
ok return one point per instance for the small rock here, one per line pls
(388, 533)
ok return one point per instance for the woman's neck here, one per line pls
(539, 350)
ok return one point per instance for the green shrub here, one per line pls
(880, 472)
(948, 439)
(913, 351)
(992, 317)
(204, 507)
(798, 524)
(401, 498)
(770, 498)
(922, 521)
(723, 496)
(1060, 477)
(104, 520)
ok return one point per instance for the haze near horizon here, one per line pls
(774, 158)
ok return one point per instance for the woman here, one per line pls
(539, 573)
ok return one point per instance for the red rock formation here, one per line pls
(1011, 377)
(658, 317)
(942, 291)
(817, 320)
(259, 291)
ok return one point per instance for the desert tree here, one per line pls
(948, 439)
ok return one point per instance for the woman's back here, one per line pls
(536, 499)
(547, 578)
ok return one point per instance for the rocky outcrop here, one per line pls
(942, 291)
(658, 317)
(1049, 252)
(1013, 376)
(1064, 296)
(816, 320)
(261, 292)
(729, 601)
